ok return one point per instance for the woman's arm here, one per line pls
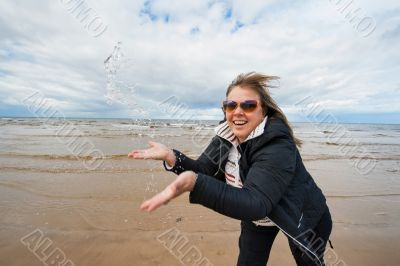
(272, 169)
(208, 162)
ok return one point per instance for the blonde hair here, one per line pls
(260, 83)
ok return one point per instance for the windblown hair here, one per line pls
(261, 84)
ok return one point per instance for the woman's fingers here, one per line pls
(158, 200)
(152, 143)
(144, 154)
(132, 154)
(138, 154)
(183, 183)
(155, 151)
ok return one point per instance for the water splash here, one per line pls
(119, 90)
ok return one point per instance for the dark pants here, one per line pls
(255, 243)
(318, 238)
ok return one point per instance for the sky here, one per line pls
(174, 59)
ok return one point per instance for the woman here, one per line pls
(252, 171)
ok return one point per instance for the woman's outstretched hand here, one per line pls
(183, 183)
(157, 151)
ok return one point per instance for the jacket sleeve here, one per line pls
(271, 171)
(208, 163)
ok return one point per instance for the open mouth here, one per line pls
(239, 122)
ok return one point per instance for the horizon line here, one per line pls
(128, 118)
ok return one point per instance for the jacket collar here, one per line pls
(224, 131)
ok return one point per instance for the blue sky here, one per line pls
(344, 57)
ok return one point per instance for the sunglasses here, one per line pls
(247, 106)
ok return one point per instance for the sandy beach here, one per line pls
(54, 208)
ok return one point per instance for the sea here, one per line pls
(53, 139)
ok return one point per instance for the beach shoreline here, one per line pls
(93, 216)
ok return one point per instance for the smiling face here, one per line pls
(240, 122)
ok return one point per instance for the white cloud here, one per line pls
(193, 49)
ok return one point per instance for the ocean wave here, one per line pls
(103, 135)
(349, 144)
(34, 122)
(131, 126)
(381, 135)
(392, 170)
(113, 170)
(338, 144)
(66, 157)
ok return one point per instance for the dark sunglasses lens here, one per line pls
(249, 105)
(229, 105)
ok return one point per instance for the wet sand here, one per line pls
(94, 219)
(93, 216)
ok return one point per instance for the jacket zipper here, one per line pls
(294, 239)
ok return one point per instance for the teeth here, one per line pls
(239, 122)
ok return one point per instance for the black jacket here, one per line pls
(275, 182)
